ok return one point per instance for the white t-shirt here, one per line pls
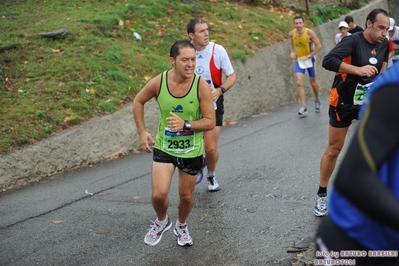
(395, 36)
(338, 37)
(221, 59)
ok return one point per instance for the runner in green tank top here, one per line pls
(186, 110)
(182, 143)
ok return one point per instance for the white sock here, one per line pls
(179, 224)
(164, 222)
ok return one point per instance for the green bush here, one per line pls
(320, 13)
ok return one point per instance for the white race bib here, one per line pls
(305, 64)
(178, 141)
(210, 83)
(360, 92)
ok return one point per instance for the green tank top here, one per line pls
(184, 144)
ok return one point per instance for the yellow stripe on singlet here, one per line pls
(362, 141)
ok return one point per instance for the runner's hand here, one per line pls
(146, 141)
(216, 94)
(304, 58)
(175, 122)
(367, 71)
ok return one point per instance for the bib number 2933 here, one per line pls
(178, 141)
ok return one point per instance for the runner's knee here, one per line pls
(210, 149)
(186, 196)
(158, 196)
(313, 82)
(333, 151)
(299, 83)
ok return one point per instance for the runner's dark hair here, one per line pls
(348, 19)
(372, 16)
(191, 24)
(180, 44)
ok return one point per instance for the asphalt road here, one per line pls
(268, 172)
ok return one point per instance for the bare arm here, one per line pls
(293, 52)
(149, 91)
(228, 83)
(313, 38)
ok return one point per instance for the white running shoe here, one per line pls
(156, 231)
(320, 207)
(183, 236)
(317, 105)
(303, 111)
(213, 184)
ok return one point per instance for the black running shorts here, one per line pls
(191, 166)
(219, 111)
(343, 117)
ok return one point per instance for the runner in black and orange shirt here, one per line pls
(365, 220)
(357, 60)
(349, 89)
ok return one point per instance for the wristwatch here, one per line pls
(309, 56)
(187, 125)
(222, 89)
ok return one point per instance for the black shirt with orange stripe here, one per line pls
(357, 51)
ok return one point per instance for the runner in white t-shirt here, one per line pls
(393, 33)
(343, 32)
(212, 62)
